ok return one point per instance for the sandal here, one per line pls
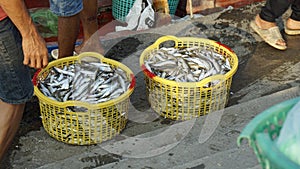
(291, 31)
(270, 36)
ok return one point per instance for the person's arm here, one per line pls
(34, 46)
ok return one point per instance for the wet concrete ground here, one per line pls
(262, 71)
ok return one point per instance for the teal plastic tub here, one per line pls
(262, 132)
(173, 6)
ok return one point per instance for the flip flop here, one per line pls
(270, 36)
(292, 31)
(54, 53)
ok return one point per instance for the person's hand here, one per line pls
(35, 51)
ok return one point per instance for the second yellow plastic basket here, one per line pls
(186, 100)
(100, 122)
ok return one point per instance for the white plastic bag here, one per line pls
(139, 18)
(289, 138)
(147, 19)
(132, 17)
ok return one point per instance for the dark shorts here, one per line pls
(15, 80)
(66, 7)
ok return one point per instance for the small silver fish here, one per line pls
(92, 82)
(190, 64)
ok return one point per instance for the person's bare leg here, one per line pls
(10, 117)
(88, 18)
(68, 29)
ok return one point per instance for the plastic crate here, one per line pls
(186, 100)
(120, 8)
(100, 122)
(262, 132)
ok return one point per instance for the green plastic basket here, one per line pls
(120, 8)
(173, 6)
(263, 130)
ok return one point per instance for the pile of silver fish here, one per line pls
(191, 64)
(91, 82)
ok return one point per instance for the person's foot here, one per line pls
(54, 54)
(265, 26)
(78, 48)
(292, 27)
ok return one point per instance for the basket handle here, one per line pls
(166, 38)
(219, 77)
(90, 57)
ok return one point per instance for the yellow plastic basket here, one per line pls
(186, 100)
(100, 122)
